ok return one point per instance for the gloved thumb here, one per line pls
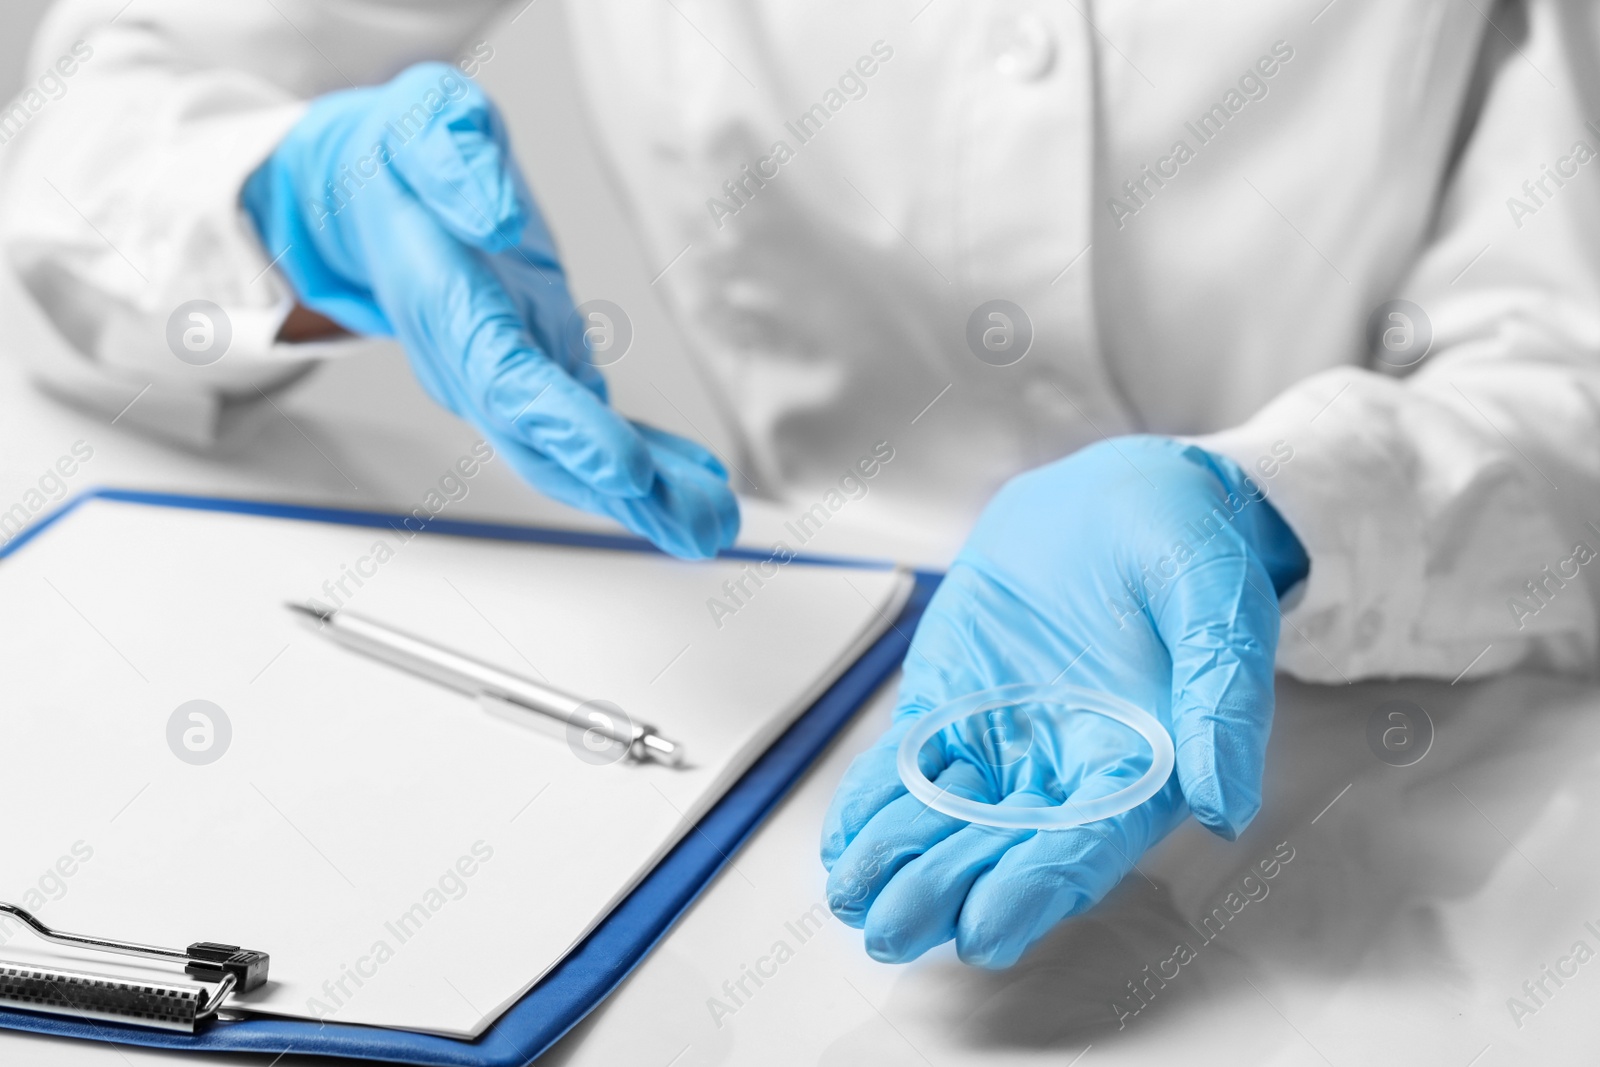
(448, 145)
(1218, 618)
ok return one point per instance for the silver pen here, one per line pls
(478, 679)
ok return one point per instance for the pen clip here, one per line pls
(608, 723)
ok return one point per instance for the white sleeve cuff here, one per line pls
(1416, 525)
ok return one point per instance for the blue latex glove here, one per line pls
(404, 214)
(1077, 564)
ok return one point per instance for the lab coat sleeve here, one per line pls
(1452, 511)
(119, 198)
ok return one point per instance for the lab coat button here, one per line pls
(1023, 48)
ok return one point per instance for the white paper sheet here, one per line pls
(407, 859)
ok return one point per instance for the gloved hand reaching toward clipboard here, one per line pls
(399, 211)
(1075, 569)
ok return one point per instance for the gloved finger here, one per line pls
(951, 654)
(688, 512)
(448, 145)
(696, 498)
(682, 446)
(464, 333)
(542, 406)
(1221, 631)
(871, 782)
(540, 294)
(919, 907)
(902, 830)
(1054, 875)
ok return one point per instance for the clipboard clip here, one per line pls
(175, 1005)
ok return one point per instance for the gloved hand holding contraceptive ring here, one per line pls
(1142, 568)
(398, 210)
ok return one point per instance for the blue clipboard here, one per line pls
(589, 973)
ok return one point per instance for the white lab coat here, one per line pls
(1332, 159)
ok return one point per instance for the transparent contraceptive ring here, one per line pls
(1062, 816)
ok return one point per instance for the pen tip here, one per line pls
(308, 610)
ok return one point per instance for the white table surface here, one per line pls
(1416, 904)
